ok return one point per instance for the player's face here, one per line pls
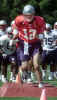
(28, 17)
(48, 29)
(55, 26)
(3, 27)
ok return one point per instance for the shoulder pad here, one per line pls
(19, 20)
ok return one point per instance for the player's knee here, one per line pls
(36, 67)
(24, 67)
(13, 63)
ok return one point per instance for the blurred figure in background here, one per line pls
(55, 47)
(3, 56)
(48, 55)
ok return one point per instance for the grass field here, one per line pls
(24, 98)
(53, 82)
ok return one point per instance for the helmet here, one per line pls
(55, 23)
(3, 22)
(12, 22)
(28, 9)
(48, 25)
(3, 25)
(48, 28)
(9, 30)
(55, 26)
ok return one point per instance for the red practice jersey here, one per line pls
(26, 29)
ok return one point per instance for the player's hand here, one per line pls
(10, 43)
(34, 34)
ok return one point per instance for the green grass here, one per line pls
(53, 82)
(1, 83)
(26, 98)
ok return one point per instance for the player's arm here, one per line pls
(14, 40)
(15, 32)
(2, 41)
(54, 40)
(18, 21)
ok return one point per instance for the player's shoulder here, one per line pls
(53, 31)
(40, 21)
(39, 18)
(19, 19)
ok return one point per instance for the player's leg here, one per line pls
(29, 71)
(0, 66)
(44, 64)
(52, 64)
(37, 68)
(24, 63)
(13, 72)
(55, 72)
(14, 67)
(55, 64)
(52, 68)
(24, 69)
(4, 68)
(36, 56)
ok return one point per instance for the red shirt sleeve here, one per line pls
(19, 20)
(40, 24)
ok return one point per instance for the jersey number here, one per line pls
(31, 31)
(48, 41)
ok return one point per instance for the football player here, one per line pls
(48, 52)
(3, 61)
(7, 52)
(29, 27)
(12, 57)
(55, 38)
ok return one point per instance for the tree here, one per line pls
(9, 9)
(48, 7)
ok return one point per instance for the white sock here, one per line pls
(43, 72)
(21, 73)
(2, 76)
(11, 75)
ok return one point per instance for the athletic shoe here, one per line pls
(11, 76)
(44, 74)
(29, 80)
(33, 77)
(40, 85)
(4, 80)
(50, 78)
(13, 79)
(44, 77)
(55, 75)
(24, 80)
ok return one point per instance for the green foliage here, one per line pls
(49, 10)
(9, 9)
(54, 14)
(49, 19)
